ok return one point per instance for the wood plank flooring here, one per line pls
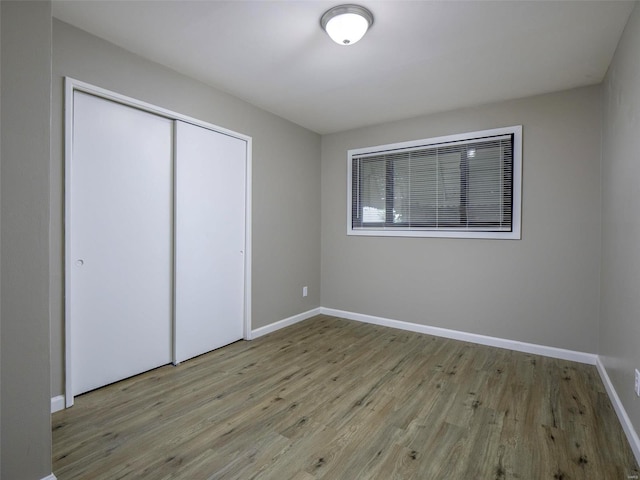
(333, 399)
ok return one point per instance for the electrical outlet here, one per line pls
(305, 292)
(637, 383)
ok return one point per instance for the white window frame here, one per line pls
(514, 234)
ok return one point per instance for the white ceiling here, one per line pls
(419, 57)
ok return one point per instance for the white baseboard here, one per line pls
(259, 332)
(625, 421)
(50, 477)
(553, 352)
(57, 403)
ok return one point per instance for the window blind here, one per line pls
(461, 185)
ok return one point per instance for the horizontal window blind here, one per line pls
(460, 185)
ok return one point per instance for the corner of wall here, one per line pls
(625, 421)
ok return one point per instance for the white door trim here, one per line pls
(72, 85)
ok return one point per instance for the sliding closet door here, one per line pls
(120, 242)
(210, 240)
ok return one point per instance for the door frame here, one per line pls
(71, 86)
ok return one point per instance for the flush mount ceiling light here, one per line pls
(346, 24)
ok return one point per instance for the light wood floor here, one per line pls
(333, 399)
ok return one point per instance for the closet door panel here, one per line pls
(120, 242)
(210, 238)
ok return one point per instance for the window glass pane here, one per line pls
(449, 188)
(485, 187)
(415, 189)
(373, 188)
(401, 189)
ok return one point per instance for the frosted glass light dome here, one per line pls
(346, 24)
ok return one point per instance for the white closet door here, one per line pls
(120, 242)
(210, 239)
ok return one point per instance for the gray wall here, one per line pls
(620, 280)
(0, 242)
(543, 289)
(286, 168)
(24, 227)
(547, 284)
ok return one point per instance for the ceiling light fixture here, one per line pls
(346, 24)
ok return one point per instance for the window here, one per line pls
(464, 185)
